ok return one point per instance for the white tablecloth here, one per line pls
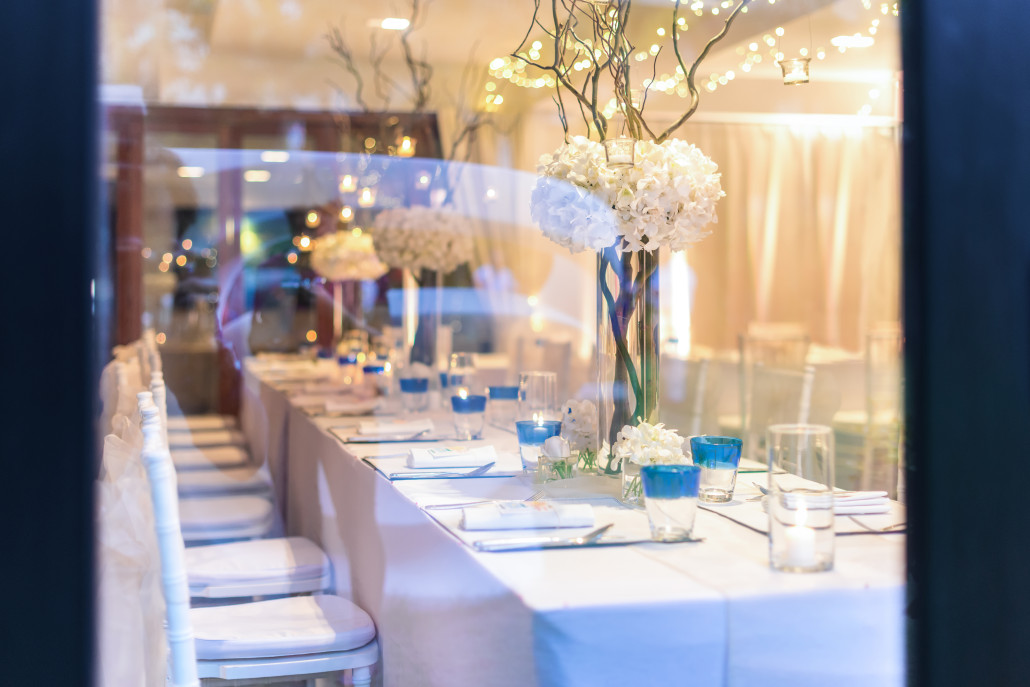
(699, 614)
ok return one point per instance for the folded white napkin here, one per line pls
(525, 515)
(451, 457)
(861, 503)
(394, 426)
(350, 406)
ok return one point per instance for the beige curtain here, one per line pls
(809, 231)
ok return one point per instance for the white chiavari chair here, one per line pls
(299, 637)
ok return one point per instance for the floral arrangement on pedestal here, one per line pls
(626, 196)
(645, 444)
(346, 255)
(428, 242)
(341, 257)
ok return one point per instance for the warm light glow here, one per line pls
(163, 267)
(313, 219)
(311, 336)
(257, 176)
(491, 194)
(190, 172)
(422, 181)
(370, 143)
(291, 258)
(367, 198)
(360, 357)
(856, 41)
(181, 261)
(463, 392)
(346, 213)
(167, 257)
(305, 242)
(275, 156)
(407, 147)
(394, 24)
(356, 232)
(146, 253)
(187, 244)
(160, 338)
(348, 183)
(533, 301)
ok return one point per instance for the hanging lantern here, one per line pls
(620, 150)
(795, 71)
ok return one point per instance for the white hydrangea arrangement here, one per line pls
(666, 200)
(645, 444)
(579, 425)
(417, 237)
(344, 255)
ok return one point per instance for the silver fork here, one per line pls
(888, 528)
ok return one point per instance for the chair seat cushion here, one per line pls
(210, 457)
(178, 423)
(223, 512)
(206, 437)
(248, 479)
(260, 560)
(280, 627)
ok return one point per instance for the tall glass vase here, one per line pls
(627, 354)
(429, 313)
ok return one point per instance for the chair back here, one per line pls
(784, 396)
(881, 463)
(160, 394)
(690, 395)
(164, 493)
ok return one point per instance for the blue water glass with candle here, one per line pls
(504, 403)
(718, 458)
(415, 394)
(670, 496)
(532, 435)
(469, 415)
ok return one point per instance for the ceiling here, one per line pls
(274, 52)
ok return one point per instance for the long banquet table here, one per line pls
(711, 613)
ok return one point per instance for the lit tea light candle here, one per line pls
(407, 147)
(800, 542)
(367, 198)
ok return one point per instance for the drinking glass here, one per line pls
(461, 372)
(718, 458)
(670, 496)
(538, 396)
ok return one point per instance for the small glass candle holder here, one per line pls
(795, 71)
(532, 435)
(469, 415)
(670, 496)
(718, 458)
(801, 526)
(504, 403)
(415, 394)
(801, 530)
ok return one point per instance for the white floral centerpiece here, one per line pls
(626, 214)
(627, 195)
(666, 200)
(645, 444)
(420, 238)
(429, 242)
(345, 255)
